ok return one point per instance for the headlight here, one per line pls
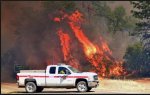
(95, 77)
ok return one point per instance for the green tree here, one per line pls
(130, 25)
(141, 11)
(101, 8)
(116, 19)
(137, 57)
(137, 60)
(131, 56)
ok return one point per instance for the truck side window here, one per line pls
(52, 70)
(63, 70)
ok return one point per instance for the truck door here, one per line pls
(51, 80)
(65, 78)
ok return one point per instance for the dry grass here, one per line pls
(106, 86)
(138, 86)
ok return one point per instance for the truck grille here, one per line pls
(95, 77)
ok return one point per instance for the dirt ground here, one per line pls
(106, 86)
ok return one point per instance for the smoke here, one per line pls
(29, 37)
(97, 26)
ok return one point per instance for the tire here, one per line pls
(39, 89)
(89, 88)
(30, 87)
(82, 86)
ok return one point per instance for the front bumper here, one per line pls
(93, 83)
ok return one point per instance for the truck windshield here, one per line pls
(73, 69)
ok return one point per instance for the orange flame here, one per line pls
(56, 19)
(105, 46)
(99, 56)
(94, 53)
(65, 43)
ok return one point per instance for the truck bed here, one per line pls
(32, 71)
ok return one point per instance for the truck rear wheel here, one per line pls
(82, 86)
(30, 87)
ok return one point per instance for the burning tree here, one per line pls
(99, 56)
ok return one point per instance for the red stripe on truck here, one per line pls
(35, 76)
(76, 76)
(56, 76)
(71, 76)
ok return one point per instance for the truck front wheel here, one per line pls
(31, 87)
(82, 86)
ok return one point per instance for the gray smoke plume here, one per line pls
(29, 38)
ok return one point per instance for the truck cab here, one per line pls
(57, 76)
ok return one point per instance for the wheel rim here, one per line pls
(30, 87)
(82, 87)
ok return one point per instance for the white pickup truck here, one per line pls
(57, 76)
